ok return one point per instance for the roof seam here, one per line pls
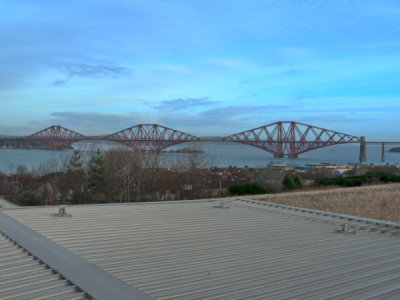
(40, 261)
(91, 279)
(71, 284)
(371, 224)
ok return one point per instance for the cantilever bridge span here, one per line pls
(285, 138)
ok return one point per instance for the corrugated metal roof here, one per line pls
(4, 204)
(191, 250)
(94, 281)
(24, 277)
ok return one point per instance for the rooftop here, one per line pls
(243, 249)
(22, 276)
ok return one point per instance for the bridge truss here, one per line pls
(151, 137)
(291, 138)
(56, 137)
(286, 138)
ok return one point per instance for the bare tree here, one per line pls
(118, 165)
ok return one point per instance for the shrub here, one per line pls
(298, 183)
(359, 180)
(246, 189)
(236, 190)
(288, 183)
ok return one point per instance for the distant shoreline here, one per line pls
(184, 150)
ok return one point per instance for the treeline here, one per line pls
(122, 175)
(255, 188)
(292, 183)
(360, 180)
(116, 175)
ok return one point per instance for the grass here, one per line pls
(380, 202)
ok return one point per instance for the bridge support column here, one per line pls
(278, 155)
(292, 155)
(363, 150)
(383, 153)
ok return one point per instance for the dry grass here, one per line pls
(377, 202)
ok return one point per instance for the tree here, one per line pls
(119, 164)
(298, 183)
(96, 172)
(21, 170)
(131, 175)
(75, 162)
(75, 178)
(288, 183)
(193, 164)
(48, 193)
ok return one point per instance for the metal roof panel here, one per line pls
(192, 250)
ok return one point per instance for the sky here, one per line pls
(202, 67)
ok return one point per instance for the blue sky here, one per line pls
(204, 67)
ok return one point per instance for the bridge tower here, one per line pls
(363, 151)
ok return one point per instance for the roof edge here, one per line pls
(325, 213)
(91, 279)
(119, 203)
(288, 207)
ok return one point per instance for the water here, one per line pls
(215, 153)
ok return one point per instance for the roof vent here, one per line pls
(221, 204)
(345, 228)
(62, 212)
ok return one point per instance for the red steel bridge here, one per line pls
(285, 138)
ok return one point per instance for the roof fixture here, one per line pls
(345, 228)
(221, 204)
(62, 212)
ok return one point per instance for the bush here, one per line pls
(354, 182)
(246, 189)
(236, 190)
(359, 180)
(288, 183)
(298, 183)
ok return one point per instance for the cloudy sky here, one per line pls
(205, 67)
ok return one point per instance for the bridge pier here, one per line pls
(292, 155)
(279, 155)
(363, 151)
(383, 153)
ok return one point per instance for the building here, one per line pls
(202, 249)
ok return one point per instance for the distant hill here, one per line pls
(10, 136)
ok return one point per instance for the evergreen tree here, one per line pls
(76, 178)
(75, 162)
(96, 171)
